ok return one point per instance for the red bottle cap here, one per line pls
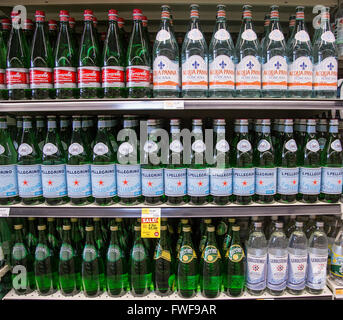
(28, 25)
(88, 15)
(145, 21)
(52, 24)
(145, 18)
(137, 14)
(6, 24)
(14, 14)
(95, 21)
(121, 22)
(64, 15)
(112, 14)
(40, 16)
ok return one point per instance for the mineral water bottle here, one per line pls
(336, 270)
(266, 28)
(277, 261)
(291, 27)
(339, 29)
(297, 260)
(317, 260)
(257, 248)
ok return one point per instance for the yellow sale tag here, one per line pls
(151, 223)
(339, 292)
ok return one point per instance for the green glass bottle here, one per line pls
(122, 234)
(28, 166)
(78, 167)
(331, 162)
(310, 226)
(187, 268)
(182, 223)
(31, 237)
(234, 275)
(3, 54)
(8, 172)
(300, 131)
(322, 132)
(54, 245)
(242, 164)
(265, 171)
(19, 132)
(221, 231)
(65, 132)
(40, 131)
(116, 266)
(290, 227)
(309, 163)
(54, 180)
(140, 266)
(228, 236)
(99, 237)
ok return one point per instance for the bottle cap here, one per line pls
(320, 224)
(164, 219)
(18, 226)
(39, 14)
(51, 219)
(299, 224)
(265, 122)
(312, 217)
(288, 122)
(163, 228)
(114, 228)
(311, 122)
(52, 24)
(219, 122)
(197, 122)
(28, 24)
(334, 122)
(236, 228)
(186, 229)
(66, 228)
(274, 218)
(184, 221)
(137, 14)
(6, 24)
(293, 217)
(72, 22)
(88, 15)
(258, 224)
(242, 122)
(137, 228)
(42, 227)
(89, 228)
(232, 220)
(211, 229)
(119, 219)
(64, 16)
(152, 122)
(208, 221)
(175, 122)
(279, 225)
(14, 14)
(73, 219)
(144, 18)
(254, 218)
(31, 218)
(96, 219)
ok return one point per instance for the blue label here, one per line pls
(288, 180)
(198, 182)
(332, 180)
(316, 275)
(256, 272)
(152, 182)
(29, 181)
(54, 181)
(297, 267)
(129, 180)
(310, 179)
(243, 181)
(175, 182)
(104, 182)
(220, 182)
(277, 272)
(79, 181)
(265, 181)
(9, 183)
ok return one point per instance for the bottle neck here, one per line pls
(66, 236)
(211, 238)
(52, 125)
(288, 129)
(41, 236)
(114, 237)
(90, 237)
(311, 129)
(333, 129)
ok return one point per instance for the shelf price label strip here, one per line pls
(151, 222)
(173, 105)
(4, 212)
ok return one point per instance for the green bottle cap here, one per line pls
(236, 228)
(18, 227)
(114, 228)
(211, 228)
(186, 229)
(73, 219)
(137, 228)
(163, 228)
(66, 228)
(90, 228)
(41, 228)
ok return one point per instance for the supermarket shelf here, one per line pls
(325, 295)
(4, 270)
(337, 290)
(174, 212)
(158, 104)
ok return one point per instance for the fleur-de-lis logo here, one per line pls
(278, 65)
(303, 66)
(250, 65)
(330, 66)
(161, 65)
(195, 65)
(222, 64)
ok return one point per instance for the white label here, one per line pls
(163, 35)
(220, 182)
(49, 149)
(297, 267)
(152, 182)
(54, 181)
(125, 148)
(29, 181)
(328, 36)
(222, 73)
(2, 149)
(291, 145)
(274, 74)
(198, 182)
(165, 74)
(332, 180)
(175, 182)
(194, 73)
(313, 145)
(75, 149)
(310, 180)
(249, 35)
(8, 178)
(316, 276)
(336, 145)
(300, 74)
(244, 145)
(277, 272)
(222, 146)
(263, 145)
(173, 105)
(222, 35)
(79, 181)
(150, 146)
(288, 181)
(198, 146)
(25, 149)
(248, 74)
(104, 184)
(302, 36)
(4, 212)
(195, 34)
(176, 146)
(100, 149)
(243, 181)
(276, 35)
(256, 271)
(265, 181)
(325, 74)
(129, 180)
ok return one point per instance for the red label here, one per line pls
(138, 74)
(41, 77)
(2, 77)
(88, 76)
(65, 77)
(17, 78)
(113, 75)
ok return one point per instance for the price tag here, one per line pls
(174, 105)
(151, 222)
(4, 212)
(339, 292)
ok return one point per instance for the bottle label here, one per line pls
(54, 181)
(235, 253)
(152, 182)
(336, 145)
(75, 149)
(263, 145)
(291, 145)
(175, 182)
(88, 77)
(2, 78)
(277, 272)
(89, 253)
(248, 74)
(160, 253)
(163, 35)
(243, 181)
(310, 180)
(332, 180)
(328, 36)
(25, 149)
(302, 36)
(325, 74)
(176, 146)
(297, 267)
(220, 182)
(8, 178)
(276, 35)
(249, 35)
(300, 74)
(40, 78)
(49, 149)
(100, 149)
(198, 182)
(17, 78)
(113, 253)
(198, 146)
(222, 146)
(64, 77)
(125, 148)
(42, 252)
(222, 73)
(244, 145)
(129, 180)
(187, 254)
(194, 74)
(211, 254)
(288, 181)
(265, 181)
(336, 267)
(195, 35)
(113, 76)
(29, 181)
(104, 183)
(66, 252)
(138, 253)
(256, 271)
(19, 251)
(79, 181)
(313, 145)
(316, 275)
(274, 73)
(150, 147)
(222, 35)
(166, 74)
(138, 76)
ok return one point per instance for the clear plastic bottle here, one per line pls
(271, 227)
(336, 270)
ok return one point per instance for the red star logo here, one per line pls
(294, 182)
(101, 183)
(179, 184)
(25, 183)
(244, 183)
(339, 181)
(315, 182)
(200, 184)
(150, 184)
(224, 183)
(260, 182)
(76, 183)
(50, 183)
(125, 182)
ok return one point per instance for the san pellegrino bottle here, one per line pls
(194, 56)
(78, 166)
(88, 71)
(309, 163)
(248, 68)
(274, 64)
(77, 238)
(270, 227)
(65, 132)
(53, 168)
(187, 268)
(182, 223)
(29, 166)
(256, 271)
(54, 245)
(41, 61)
(299, 53)
(31, 235)
(17, 62)
(113, 69)
(264, 160)
(8, 172)
(103, 168)
(277, 261)
(40, 131)
(332, 234)
(234, 276)
(203, 235)
(322, 132)
(288, 170)
(242, 164)
(65, 61)
(331, 162)
(221, 231)
(198, 177)
(297, 260)
(138, 61)
(336, 270)
(222, 58)
(3, 53)
(166, 71)
(325, 69)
